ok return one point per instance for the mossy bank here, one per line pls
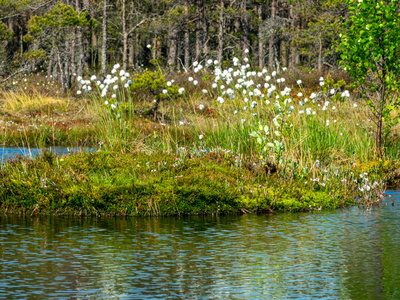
(140, 184)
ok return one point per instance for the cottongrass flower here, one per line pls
(321, 83)
(201, 137)
(345, 94)
(181, 90)
(113, 106)
(106, 102)
(204, 91)
(114, 96)
(79, 92)
(299, 82)
(195, 82)
(169, 83)
(201, 106)
(148, 46)
(164, 91)
(220, 100)
(355, 105)
(190, 79)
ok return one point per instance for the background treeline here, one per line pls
(73, 36)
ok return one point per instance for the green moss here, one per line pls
(159, 184)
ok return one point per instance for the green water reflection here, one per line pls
(347, 254)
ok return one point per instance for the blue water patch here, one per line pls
(10, 153)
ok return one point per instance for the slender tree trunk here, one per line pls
(86, 57)
(172, 49)
(50, 64)
(205, 29)
(290, 38)
(221, 27)
(131, 53)
(198, 34)
(284, 52)
(244, 18)
(296, 52)
(271, 43)
(104, 43)
(379, 124)
(260, 37)
(187, 37)
(125, 38)
(320, 55)
(79, 68)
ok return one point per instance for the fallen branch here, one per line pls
(19, 71)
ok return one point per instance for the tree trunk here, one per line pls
(284, 52)
(50, 64)
(271, 42)
(198, 34)
(290, 38)
(172, 49)
(320, 55)
(125, 38)
(205, 29)
(187, 37)
(104, 43)
(244, 19)
(260, 38)
(221, 27)
(131, 54)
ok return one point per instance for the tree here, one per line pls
(371, 56)
(55, 32)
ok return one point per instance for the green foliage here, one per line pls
(5, 33)
(62, 16)
(35, 55)
(371, 55)
(155, 83)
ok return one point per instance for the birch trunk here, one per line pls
(221, 32)
(104, 43)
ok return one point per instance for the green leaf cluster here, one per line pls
(61, 17)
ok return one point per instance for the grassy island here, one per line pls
(212, 141)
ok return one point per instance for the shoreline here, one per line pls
(159, 184)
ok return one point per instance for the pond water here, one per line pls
(343, 254)
(10, 152)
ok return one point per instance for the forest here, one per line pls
(76, 37)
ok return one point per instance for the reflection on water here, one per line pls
(7, 153)
(344, 254)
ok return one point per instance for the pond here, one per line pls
(11, 152)
(342, 254)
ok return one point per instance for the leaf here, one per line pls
(270, 145)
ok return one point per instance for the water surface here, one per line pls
(343, 254)
(11, 152)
